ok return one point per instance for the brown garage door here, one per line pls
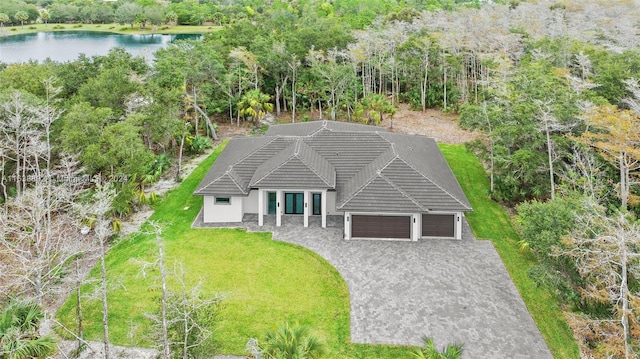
(364, 226)
(438, 225)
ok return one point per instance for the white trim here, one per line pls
(279, 208)
(261, 194)
(305, 209)
(416, 222)
(347, 225)
(323, 210)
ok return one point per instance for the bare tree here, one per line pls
(549, 124)
(98, 214)
(606, 251)
(293, 65)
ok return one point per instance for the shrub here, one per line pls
(200, 144)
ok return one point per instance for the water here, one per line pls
(67, 46)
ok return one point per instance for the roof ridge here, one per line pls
(432, 181)
(274, 168)
(355, 193)
(325, 180)
(233, 178)
(296, 150)
(399, 189)
(377, 173)
(273, 138)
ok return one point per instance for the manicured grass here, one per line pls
(490, 221)
(265, 283)
(112, 28)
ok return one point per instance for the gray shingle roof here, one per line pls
(309, 128)
(371, 170)
(297, 166)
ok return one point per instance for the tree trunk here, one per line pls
(624, 294)
(212, 129)
(184, 134)
(278, 90)
(549, 150)
(624, 180)
(105, 308)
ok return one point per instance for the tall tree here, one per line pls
(98, 213)
(3, 18)
(255, 104)
(21, 16)
(615, 133)
(606, 251)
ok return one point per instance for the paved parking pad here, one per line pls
(449, 290)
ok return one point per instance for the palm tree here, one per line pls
(255, 104)
(21, 16)
(19, 338)
(371, 109)
(3, 18)
(291, 342)
(45, 16)
(451, 351)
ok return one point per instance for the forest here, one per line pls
(553, 86)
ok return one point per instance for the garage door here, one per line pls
(438, 225)
(364, 226)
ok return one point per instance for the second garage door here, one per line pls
(374, 226)
(438, 225)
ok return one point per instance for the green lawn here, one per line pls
(265, 283)
(490, 221)
(113, 28)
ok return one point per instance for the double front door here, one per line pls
(294, 203)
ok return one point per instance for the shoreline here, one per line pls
(125, 29)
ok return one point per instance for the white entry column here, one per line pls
(278, 208)
(323, 208)
(306, 208)
(260, 207)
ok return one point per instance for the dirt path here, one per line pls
(442, 127)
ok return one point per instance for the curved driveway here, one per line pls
(449, 290)
(452, 291)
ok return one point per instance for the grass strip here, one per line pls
(490, 221)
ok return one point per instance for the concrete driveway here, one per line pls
(450, 290)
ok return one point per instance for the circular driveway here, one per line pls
(449, 290)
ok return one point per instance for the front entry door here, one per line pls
(271, 208)
(316, 204)
(294, 203)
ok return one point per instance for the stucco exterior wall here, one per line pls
(220, 213)
(250, 202)
(331, 204)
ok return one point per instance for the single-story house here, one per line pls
(385, 185)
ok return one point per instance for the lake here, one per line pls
(67, 45)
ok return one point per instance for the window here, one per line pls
(293, 203)
(223, 200)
